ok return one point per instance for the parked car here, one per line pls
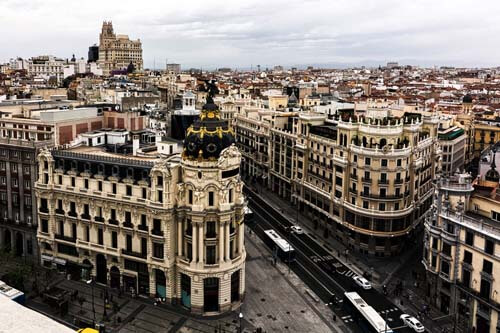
(362, 282)
(298, 230)
(412, 322)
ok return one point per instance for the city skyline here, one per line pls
(320, 33)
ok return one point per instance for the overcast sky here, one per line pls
(242, 33)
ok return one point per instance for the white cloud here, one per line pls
(241, 33)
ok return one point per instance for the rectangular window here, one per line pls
(211, 230)
(158, 250)
(100, 236)
(144, 246)
(129, 190)
(87, 233)
(398, 162)
(469, 238)
(210, 198)
(160, 196)
(144, 193)
(128, 243)
(114, 240)
(45, 226)
(368, 161)
(190, 197)
(73, 181)
(487, 266)
(99, 186)
(446, 249)
(159, 181)
(230, 195)
(381, 207)
(60, 179)
(211, 250)
(489, 246)
(114, 188)
(86, 183)
(383, 162)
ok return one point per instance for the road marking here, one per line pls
(349, 274)
(345, 317)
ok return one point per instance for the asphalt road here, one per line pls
(323, 273)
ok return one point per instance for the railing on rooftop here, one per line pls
(107, 159)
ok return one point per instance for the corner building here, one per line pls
(171, 228)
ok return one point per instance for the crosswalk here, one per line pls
(348, 273)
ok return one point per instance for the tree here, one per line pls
(130, 68)
(81, 300)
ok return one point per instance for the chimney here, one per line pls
(135, 144)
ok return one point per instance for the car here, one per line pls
(412, 322)
(296, 229)
(362, 282)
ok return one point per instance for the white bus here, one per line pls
(369, 320)
(284, 250)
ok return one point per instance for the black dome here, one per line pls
(208, 136)
(467, 99)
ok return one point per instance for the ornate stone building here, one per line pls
(461, 250)
(364, 180)
(168, 227)
(116, 52)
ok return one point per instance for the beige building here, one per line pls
(116, 52)
(364, 180)
(462, 252)
(167, 227)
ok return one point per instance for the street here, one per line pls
(324, 274)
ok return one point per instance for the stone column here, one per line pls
(194, 243)
(179, 238)
(201, 245)
(221, 242)
(241, 237)
(227, 240)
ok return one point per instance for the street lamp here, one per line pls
(93, 304)
(241, 318)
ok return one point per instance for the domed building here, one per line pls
(492, 174)
(212, 273)
(169, 228)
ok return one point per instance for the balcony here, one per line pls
(143, 227)
(99, 219)
(134, 254)
(128, 224)
(157, 232)
(60, 211)
(366, 180)
(66, 238)
(383, 182)
(85, 216)
(113, 222)
(398, 181)
(72, 214)
(44, 210)
(354, 177)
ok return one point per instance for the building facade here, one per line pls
(165, 227)
(363, 180)
(116, 52)
(461, 251)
